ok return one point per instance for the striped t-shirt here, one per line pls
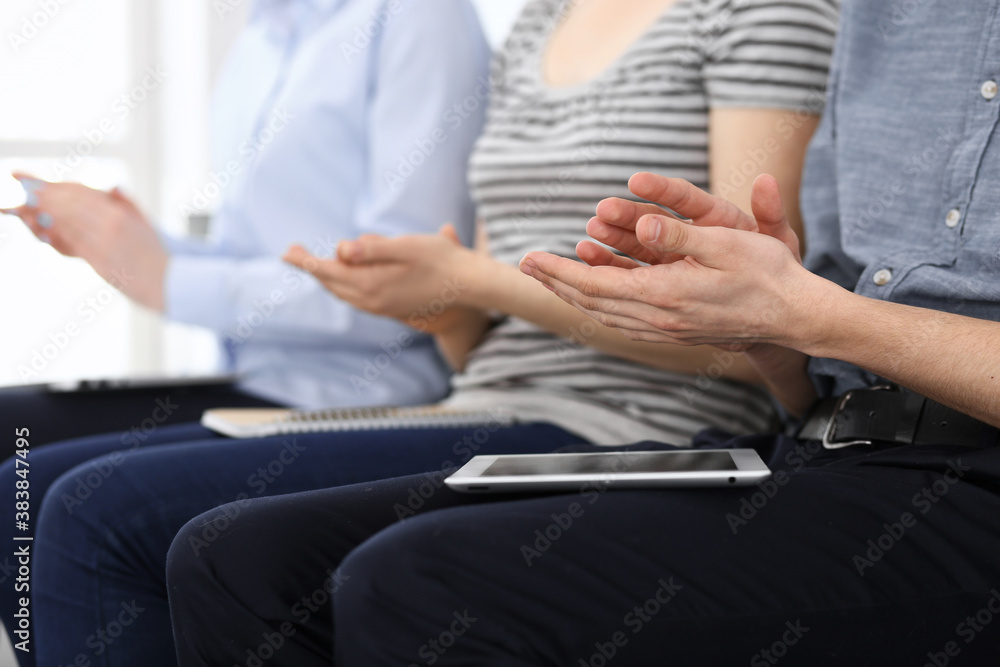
(548, 155)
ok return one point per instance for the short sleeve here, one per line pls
(768, 53)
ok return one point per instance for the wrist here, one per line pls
(476, 274)
(818, 317)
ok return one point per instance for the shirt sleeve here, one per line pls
(429, 62)
(768, 53)
(429, 109)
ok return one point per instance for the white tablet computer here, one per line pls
(626, 470)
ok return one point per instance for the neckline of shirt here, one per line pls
(537, 61)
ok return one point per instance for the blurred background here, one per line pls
(112, 93)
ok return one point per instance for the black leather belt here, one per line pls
(890, 416)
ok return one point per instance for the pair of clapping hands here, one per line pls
(723, 277)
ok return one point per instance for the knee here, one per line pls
(194, 550)
(73, 503)
(209, 547)
(185, 560)
(396, 567)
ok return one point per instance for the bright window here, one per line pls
(108, 93)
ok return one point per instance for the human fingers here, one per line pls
(598, 255)
(689, 201)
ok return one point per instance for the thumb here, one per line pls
(119, 196)
(669, 237)
(769, 210)
(369, 249)
(449, 232)
(298, 256)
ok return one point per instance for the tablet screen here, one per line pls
(610, 462)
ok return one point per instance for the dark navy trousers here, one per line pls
(104, 511)
(882, 557)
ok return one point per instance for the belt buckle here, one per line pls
(841, 404)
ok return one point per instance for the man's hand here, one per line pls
(723, 278)
(618, 220)
(105, 229)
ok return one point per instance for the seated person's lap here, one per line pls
(554, 579)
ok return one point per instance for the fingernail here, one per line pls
(653, 229)
(45, 220)
(530, 263)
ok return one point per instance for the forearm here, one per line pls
(463, 331)
(952, 359)
(497, 286)
(785, 374)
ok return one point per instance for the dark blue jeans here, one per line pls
(886, 558)
(111, 510)
(54, 417)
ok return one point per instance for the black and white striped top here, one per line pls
(548, 156)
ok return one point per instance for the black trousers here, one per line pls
(51, 417)
(858, 557)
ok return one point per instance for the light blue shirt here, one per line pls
(902, 184)
(332, 119)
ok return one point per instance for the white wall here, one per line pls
(498, 15)
(160, 156)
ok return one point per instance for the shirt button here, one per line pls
(954, 217)
(989, 90)
(882, 277)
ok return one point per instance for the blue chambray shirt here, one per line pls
(331, 119)
(901, 193)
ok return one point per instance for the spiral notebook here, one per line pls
(263, 422)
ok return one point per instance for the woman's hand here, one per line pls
(419, 279)
(724, 278)
(104, 228)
